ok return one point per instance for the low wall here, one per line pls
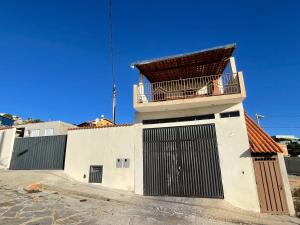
(7, 138)
(292, 165)
(286, 185)
(101, 146)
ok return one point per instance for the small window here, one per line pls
(49, 132)
(96, 173)
(34, 133)
(230, 114)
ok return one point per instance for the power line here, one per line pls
(270, 116)
(283, 127)
(112, 64)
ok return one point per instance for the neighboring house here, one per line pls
(289, 143)
(34, 145)
(99, 122)
(285, 139)
(43, 129)
(284, 149)
(4, 121)
(190, 138)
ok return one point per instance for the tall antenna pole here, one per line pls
(114, 92)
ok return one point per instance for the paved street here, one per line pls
(64, 201)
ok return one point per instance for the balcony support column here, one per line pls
(233, 66)
(141, 91)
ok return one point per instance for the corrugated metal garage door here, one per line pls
(39, 153)
(182, 161)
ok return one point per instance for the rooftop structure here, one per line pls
(191, 80)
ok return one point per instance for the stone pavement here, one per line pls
(63, 201)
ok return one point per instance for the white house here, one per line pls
(48, 128)
(190, 138)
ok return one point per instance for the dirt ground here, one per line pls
(64, 201)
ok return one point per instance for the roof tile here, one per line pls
(260, 141)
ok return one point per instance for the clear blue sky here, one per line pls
(55, 59)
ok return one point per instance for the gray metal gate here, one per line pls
(182, 161)
(39, 153)
(96, 173)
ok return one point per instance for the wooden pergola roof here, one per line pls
(200, 63)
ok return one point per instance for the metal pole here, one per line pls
(258, 117)
(114, 95)
(114, 104)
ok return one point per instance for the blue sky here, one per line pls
(55, 59)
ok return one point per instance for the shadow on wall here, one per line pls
(246, 154)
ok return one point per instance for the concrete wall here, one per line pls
(292, 165)
(286, 184)
(233, 145)
(59, 127)
(7, 139)
(101, 146)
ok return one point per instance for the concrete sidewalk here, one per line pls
(64, 201)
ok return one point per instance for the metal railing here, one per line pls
(214, 85)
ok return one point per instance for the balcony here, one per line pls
(189, 93)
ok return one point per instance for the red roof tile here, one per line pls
(110, 126)
(260, 141)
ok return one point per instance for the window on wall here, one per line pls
(230, 114)
(180, 119)
(34, 133)
(49, 132)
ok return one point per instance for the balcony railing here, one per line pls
(215, 85)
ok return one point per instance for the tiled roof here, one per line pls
(260, 141)
(110, 126)
(205, 62)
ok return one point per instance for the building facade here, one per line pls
(190, 137)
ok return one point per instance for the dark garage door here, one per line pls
(182, 161)
(39, 153)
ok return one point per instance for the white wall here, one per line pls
(59, 127)
(101, 146)
(7, 139)
(233, 145)
(286, 185)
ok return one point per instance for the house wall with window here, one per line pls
(7, 138)
(45, 128)
(233, 146)
(102, 147)
(110, 148)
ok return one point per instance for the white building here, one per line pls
(190, 138)
(49, 128)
